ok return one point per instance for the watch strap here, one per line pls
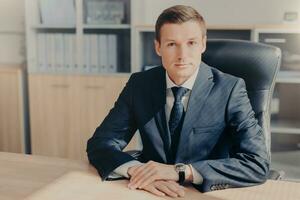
(181, 175)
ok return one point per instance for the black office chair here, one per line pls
(258, 64)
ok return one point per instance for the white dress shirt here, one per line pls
(197, 178)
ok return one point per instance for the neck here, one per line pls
(178, 81)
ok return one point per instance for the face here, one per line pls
(180, 48)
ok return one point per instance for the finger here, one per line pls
(163, 187)
(132, 169)
(176, 184)
(153, 190)
(175, 187)
(139, 174)
(146, 180)
(149, 168)
(145, 167)
(137, 170)
(133, 181)
(145, 177)
(135, 167)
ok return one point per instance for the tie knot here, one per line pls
(179, 92)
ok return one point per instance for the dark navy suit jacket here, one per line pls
(220, 136)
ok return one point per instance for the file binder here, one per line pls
(94, 53)
(59, 52)
(41, 52)
(112, 53)
(103, 59)
(86, 53)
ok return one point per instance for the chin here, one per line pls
(183, 75)
(185, 72)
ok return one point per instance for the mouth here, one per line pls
(181, 65)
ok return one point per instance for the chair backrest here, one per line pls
(258, 64)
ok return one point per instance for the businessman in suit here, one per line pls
(196, 123)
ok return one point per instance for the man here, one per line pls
(196, 123)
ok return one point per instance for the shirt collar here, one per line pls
(187, 84)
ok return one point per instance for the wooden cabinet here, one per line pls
(66, 109)
(51, 103)
(11, 109)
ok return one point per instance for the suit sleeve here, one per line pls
(104, 148)
(248, 163)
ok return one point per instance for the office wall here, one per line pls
(12, 33)
(216, 12)
(229, 12)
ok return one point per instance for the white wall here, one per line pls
(229, 12)
(12, 31)
(216, 12)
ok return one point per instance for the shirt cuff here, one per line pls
(122, 169)
(197, 178)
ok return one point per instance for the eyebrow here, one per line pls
(172, 40)
(194, 38)
(169, 40)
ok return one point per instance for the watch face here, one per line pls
(180, 167)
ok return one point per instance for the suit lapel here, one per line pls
(201, 89)
(159, 102)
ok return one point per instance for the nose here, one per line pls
(182, 53)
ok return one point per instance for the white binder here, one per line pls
(50, 44)
(59, 52)
(94, 53)
(103, 58)
(41, 52)
(112, 53)
(67, 52)
(86, 54)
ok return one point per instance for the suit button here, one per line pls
(213, 187)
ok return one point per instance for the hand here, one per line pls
(163, 188)
(143, 175)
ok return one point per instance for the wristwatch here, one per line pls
(180, 169)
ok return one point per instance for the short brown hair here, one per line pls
(176, 15)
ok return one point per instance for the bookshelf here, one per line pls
(70, 95)
(89, 35)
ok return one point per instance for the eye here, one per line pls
(171, 44)
(192, 43)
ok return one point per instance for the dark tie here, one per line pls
(176, 117)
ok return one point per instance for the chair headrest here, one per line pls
(256, 63)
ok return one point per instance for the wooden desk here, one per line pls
(21, 175)
(37, 177)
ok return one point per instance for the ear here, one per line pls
(204, 43)
(157, 47)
